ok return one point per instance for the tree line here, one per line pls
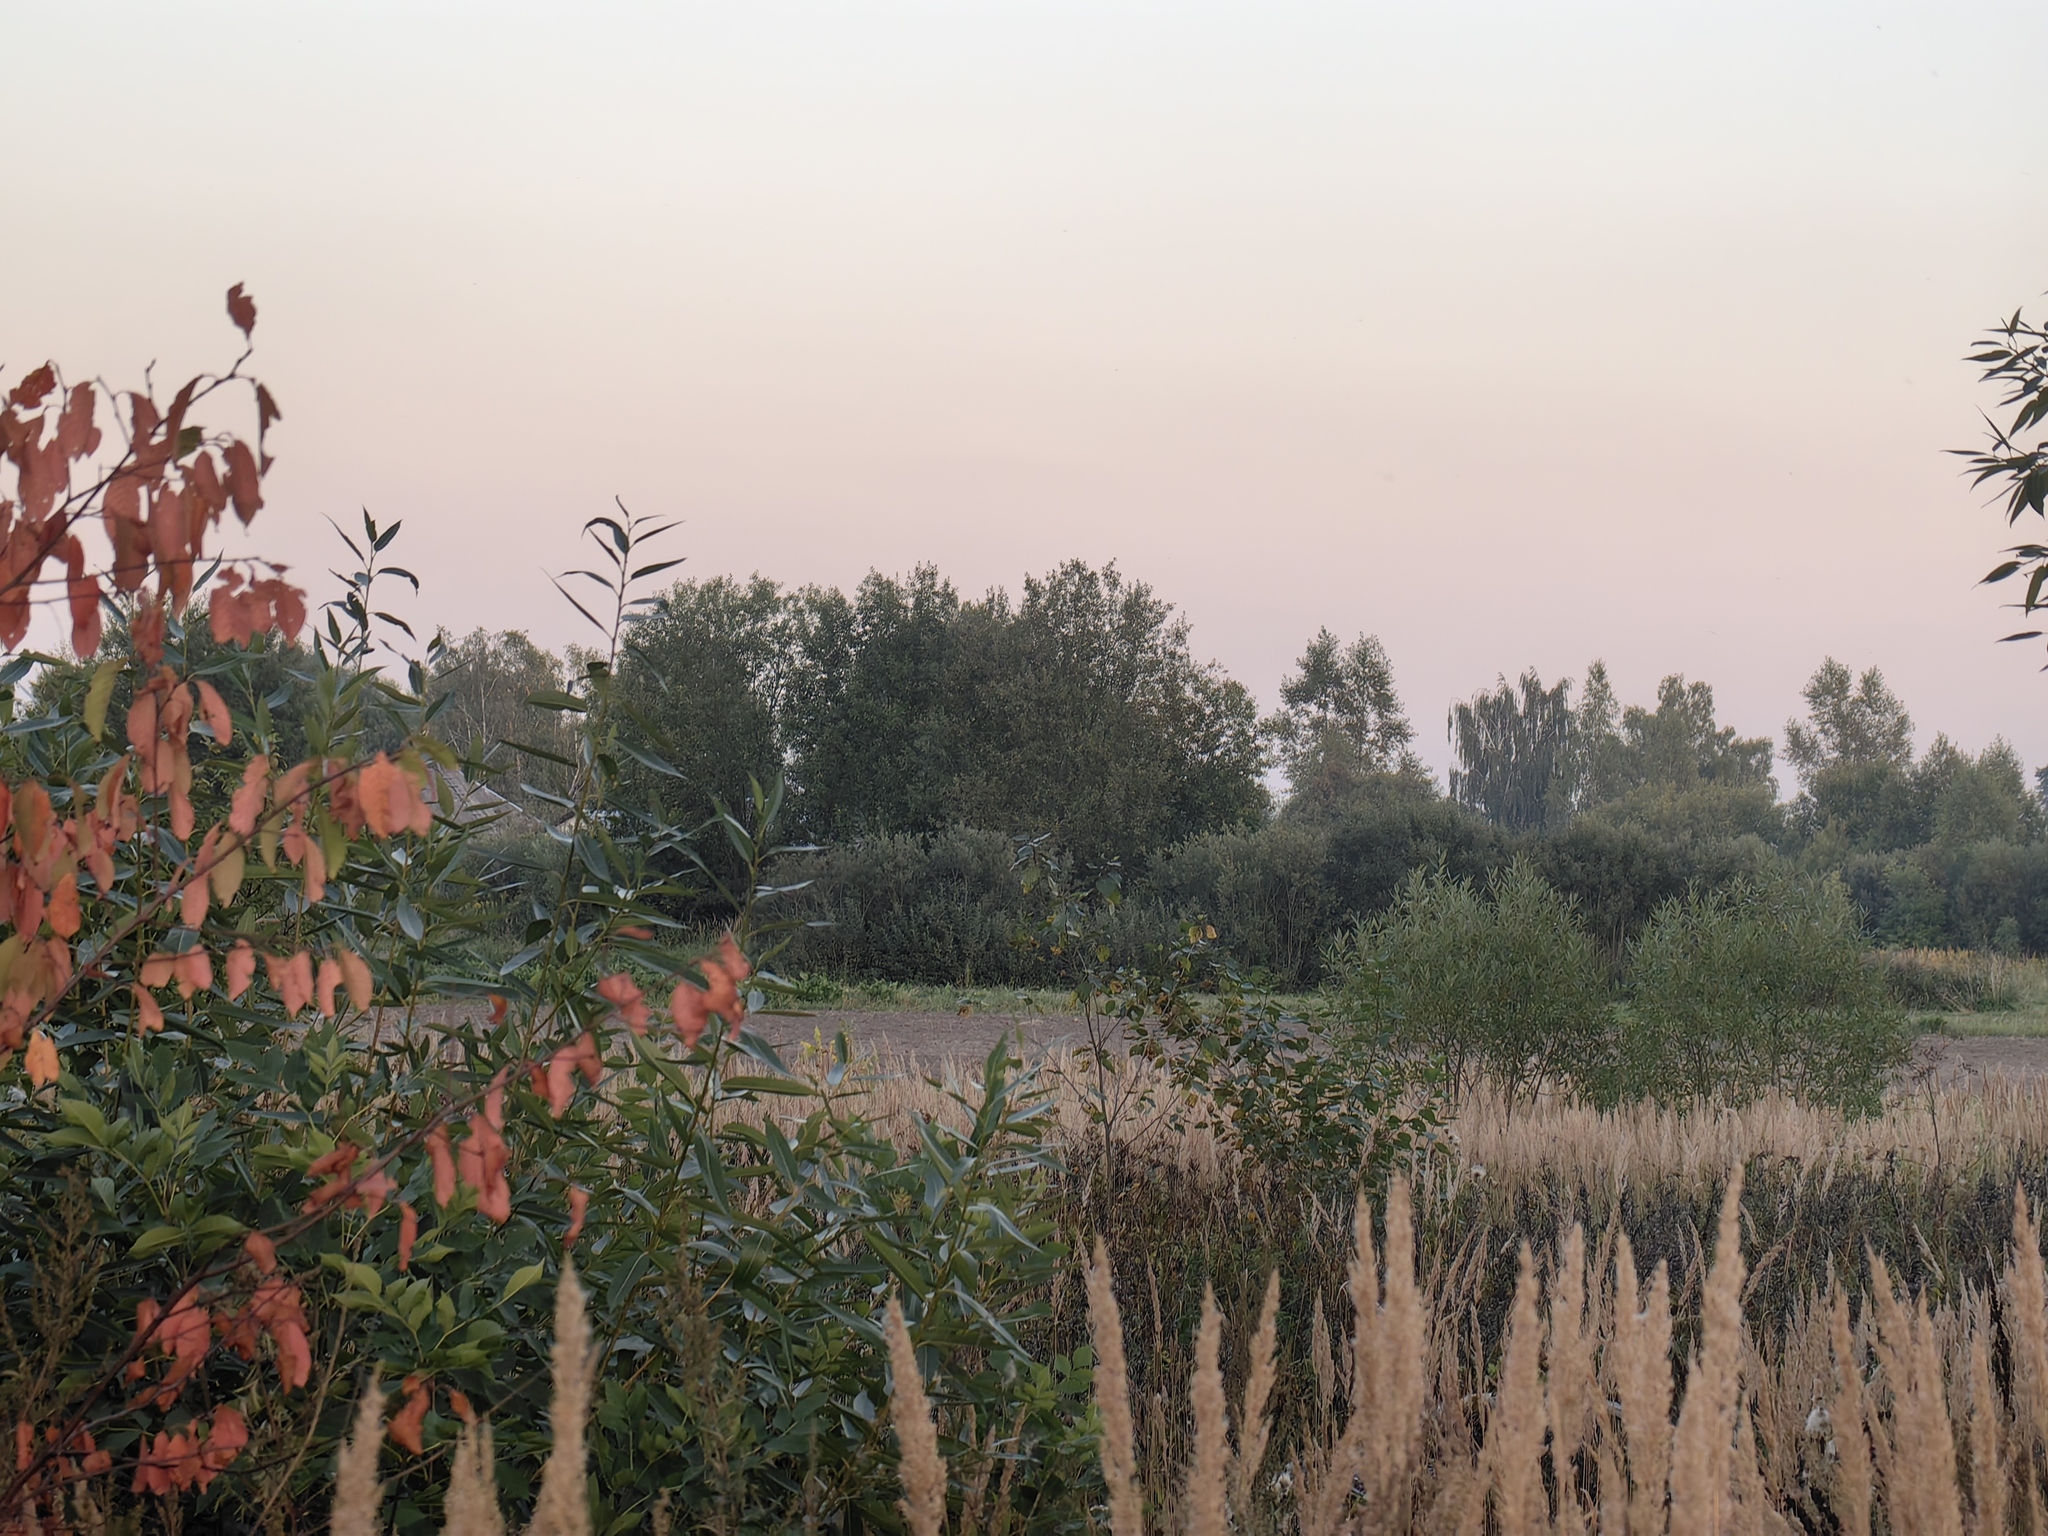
(920, 731)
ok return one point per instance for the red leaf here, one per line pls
(35, 386)
(241, 309)
(408, 1234)
(77, 437)
(244, 485)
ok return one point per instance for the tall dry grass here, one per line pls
(1895, 1420)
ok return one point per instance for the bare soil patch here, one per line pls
(1959, 1060)
(928, 1036)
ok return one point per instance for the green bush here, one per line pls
(1763, 986)
(1505, 984)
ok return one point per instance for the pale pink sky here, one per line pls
(1514, 333)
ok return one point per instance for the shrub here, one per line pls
(1264, 888)
(1507, 983)
(1760, 986)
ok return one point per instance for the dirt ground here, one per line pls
(927, 1036)
(1964, 1059)
(1954, 1059)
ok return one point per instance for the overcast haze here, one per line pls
(1515, 334)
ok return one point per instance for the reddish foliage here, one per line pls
(406, 1424)
(624, 994)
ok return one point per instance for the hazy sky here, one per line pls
(1517, 334)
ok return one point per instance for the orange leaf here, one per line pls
(406, 1424)
(443, 1159)
(579, 1207)
(194, 971)
(65, 918)
(248, 802)
(731, 959)
(624, 994)
(482, 1158)
(149, 1018)
(686, 1005)
(408, 1234)
(355, 972)
(225, 1438)
(324, 988)
(241, 968)
(197, 895)
(213, 710)
(41, 1061)
(316, 872)
(293, 980)
(723, 998)
(262, 1253)
(563, 1066)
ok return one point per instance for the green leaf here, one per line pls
(155, 1240)
(521, 1279)
(567, 702)
(98, 693)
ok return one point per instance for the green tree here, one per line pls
(1339, 719)
(1506, 986)
(1514, 753)
(701, 680)
(481, 685)
(1850, 722)
(1756, 987)
(871, 705)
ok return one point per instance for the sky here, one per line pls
(1514, 334)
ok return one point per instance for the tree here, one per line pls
(869, 701)
(1079, 710)
(1340, 722)
(482, 684)
(703, 672)
(1679, 745)
(1851, 722)
(1107, 730)
(1513, 747)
